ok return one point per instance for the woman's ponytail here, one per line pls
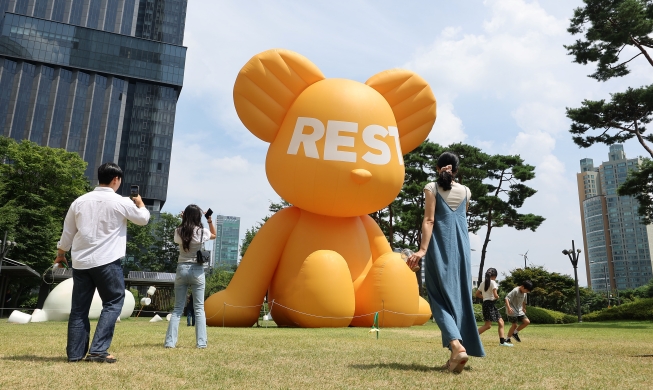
(448, 164)
(488, 274)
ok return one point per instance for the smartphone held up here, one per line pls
(133, 191)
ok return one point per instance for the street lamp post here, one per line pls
(573, 257)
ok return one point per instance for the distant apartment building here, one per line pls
(226, 241)
(617, 245)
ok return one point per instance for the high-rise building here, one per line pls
(617, 244)
(227, 231)
(97, 77)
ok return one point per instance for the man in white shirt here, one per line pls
(96, 230)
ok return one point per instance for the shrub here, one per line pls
(30, 302)
(640, 309)
(478, 312)
(537, 315)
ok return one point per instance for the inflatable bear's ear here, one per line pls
(412, 102)
(267, 86)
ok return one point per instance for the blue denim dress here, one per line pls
(448, 277)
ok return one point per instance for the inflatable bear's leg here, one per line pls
(321, 295)
(390, 288)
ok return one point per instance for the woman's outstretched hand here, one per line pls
(414, 259)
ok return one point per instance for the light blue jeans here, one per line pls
(189, 275)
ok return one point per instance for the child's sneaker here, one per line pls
(516, 336)
(508, 340)
(506, 344)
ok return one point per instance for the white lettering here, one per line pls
(369, 138)
(309, 140)
(380, 153)
(395, 133)
(334, 140)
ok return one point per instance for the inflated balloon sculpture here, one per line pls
(336, 154)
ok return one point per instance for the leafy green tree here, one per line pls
(218, 280)
(249, 236)
(551, 290)
(616, 32)
(37, 186)
(401, 221)
(152, 247)
(498, 206)
(496, 183)
(140, 241)
(251, 232)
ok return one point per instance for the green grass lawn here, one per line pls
(616, 355)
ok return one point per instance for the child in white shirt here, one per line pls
(488, 291)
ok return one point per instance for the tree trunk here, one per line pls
(483, 251)
(390, 232)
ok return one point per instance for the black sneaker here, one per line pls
(516, 336)
(507, 340)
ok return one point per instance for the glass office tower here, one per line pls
(97, 77)
(226, 241)
(617, 245)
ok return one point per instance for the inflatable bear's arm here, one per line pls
(253, 276)
(378, 243)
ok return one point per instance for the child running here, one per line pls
(516, 309)
(488, 292)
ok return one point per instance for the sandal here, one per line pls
(100, 358)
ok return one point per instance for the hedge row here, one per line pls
(537, 315)
(639, 310)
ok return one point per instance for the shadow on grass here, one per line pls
(34, 358)
(401, 367)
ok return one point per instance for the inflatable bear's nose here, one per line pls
(361, 176)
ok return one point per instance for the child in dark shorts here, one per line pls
(488, 291)
(516, 309)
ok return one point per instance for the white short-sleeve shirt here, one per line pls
(488, 295)
(454, 197)
(190, 256)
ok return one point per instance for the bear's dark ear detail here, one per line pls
(412, 102)
(267, 86)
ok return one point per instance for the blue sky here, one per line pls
(497, 68)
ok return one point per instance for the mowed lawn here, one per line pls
(580, 356)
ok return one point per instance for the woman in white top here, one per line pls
(488, 291)
(190, 235)
(445, 247)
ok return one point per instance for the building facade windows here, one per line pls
(74, 74)
(617, 253)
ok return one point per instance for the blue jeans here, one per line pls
(188, 275)
(110, 284)
(190, 316)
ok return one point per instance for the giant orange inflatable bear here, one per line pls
(335, 154)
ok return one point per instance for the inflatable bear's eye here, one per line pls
(267, 86)
(412, 103)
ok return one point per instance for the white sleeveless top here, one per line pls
(454, 197)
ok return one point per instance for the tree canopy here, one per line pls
(615, 33)
(152, 247)
(496, 183)
(37, 186)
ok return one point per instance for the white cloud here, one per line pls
(533, 146)
(229, 185)
(516, 16)
(540, 117)
(448, 128)
(516, 64)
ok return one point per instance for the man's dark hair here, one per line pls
(107, 171)
(528, 285)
